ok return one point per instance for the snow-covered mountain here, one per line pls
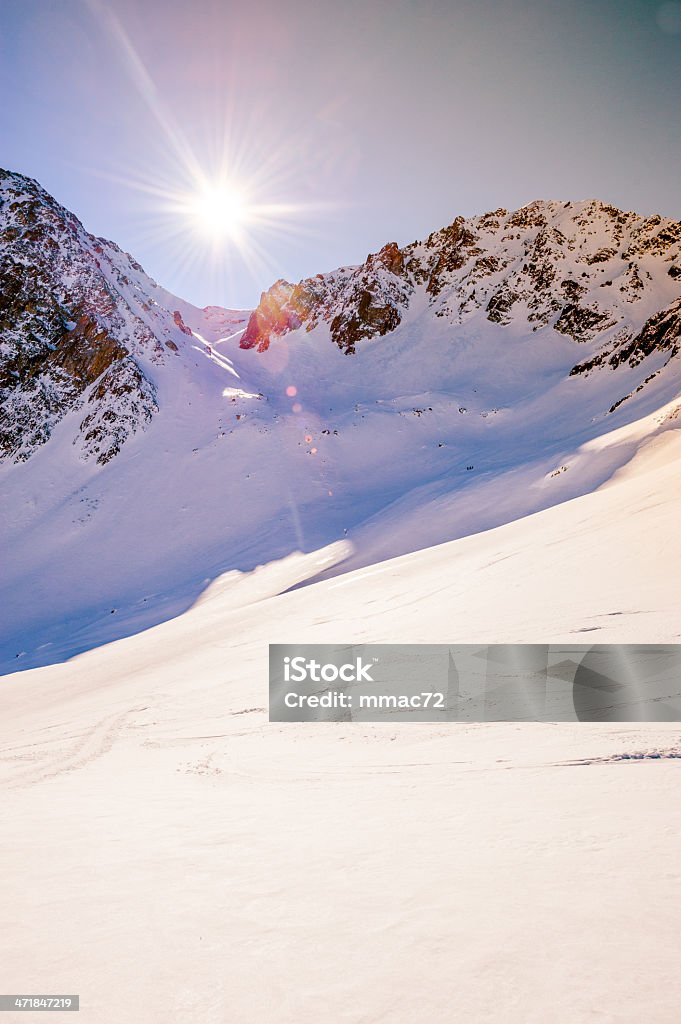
(506, 364)
(588, 270)
(81, 328)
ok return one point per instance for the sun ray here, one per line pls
(222, 214)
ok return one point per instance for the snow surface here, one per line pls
(170, 855)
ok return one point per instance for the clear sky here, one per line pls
(338, 125)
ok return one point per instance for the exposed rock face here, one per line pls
(501, 304)
(660, 333)
(105, 430)
(577, 268)
(357, 304)
(453, 246)
(277, 313)
(73, 327)
(179, 322)
(581, 323)
(389, 257)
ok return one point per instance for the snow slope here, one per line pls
(170, 855)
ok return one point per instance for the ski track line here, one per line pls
(93, 744)
(668, 754)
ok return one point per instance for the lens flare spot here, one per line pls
(291, 391)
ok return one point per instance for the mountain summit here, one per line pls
(82, 327)
(586, 270)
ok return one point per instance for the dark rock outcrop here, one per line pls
(68, 334)
(179, 322)
(356, 304)
(581, 323)
(660, 333)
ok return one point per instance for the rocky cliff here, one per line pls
(586, 270)
(79, 327)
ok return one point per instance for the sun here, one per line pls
(220, 210)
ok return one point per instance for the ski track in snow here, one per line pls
(94, 741)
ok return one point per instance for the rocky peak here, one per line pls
(79, 328)
(276, 314)
(390, 257)
(577, 268)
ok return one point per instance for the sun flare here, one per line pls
(220, 211)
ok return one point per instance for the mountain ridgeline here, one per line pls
(81, 329)
(84, 332)
(586, 270)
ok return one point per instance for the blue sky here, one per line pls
(351, 124)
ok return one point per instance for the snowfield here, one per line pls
(170, 855)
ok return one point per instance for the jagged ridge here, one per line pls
(74, 328)
(579, 268)
(82, 325)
